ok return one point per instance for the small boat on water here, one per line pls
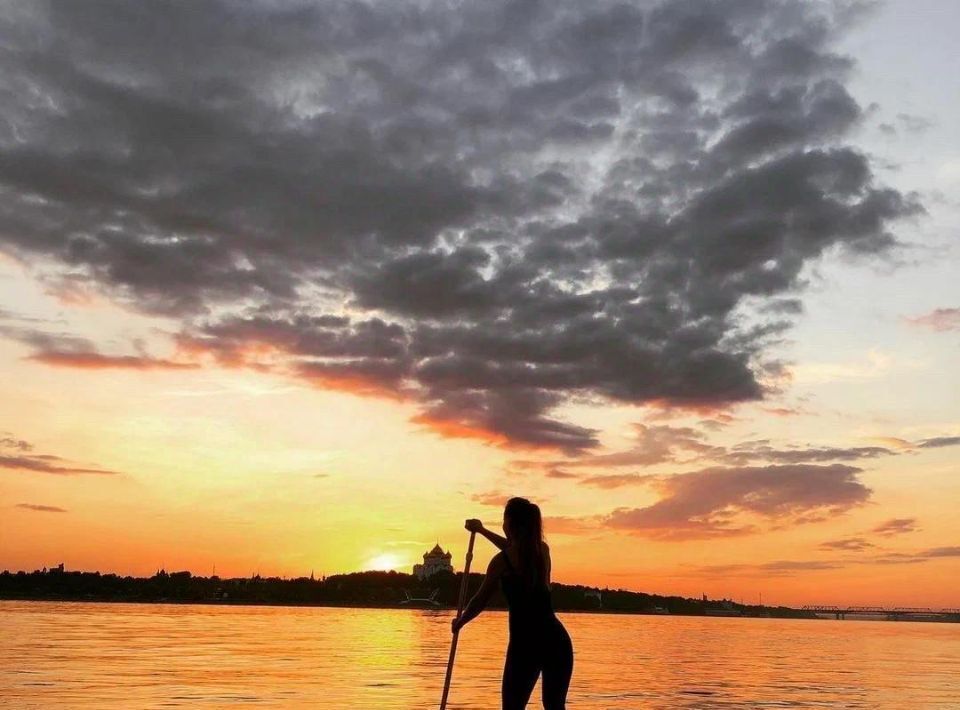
(421, 602)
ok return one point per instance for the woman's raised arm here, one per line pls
(474, 525)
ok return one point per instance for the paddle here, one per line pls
(456, 635)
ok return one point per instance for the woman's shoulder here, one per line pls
(499, 562)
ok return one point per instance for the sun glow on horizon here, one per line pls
(384, 562)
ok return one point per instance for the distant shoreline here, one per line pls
(356, 605)
(389, 590)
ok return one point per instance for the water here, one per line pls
(103, 656)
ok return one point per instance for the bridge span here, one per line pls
(891, 613)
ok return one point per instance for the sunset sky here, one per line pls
(301, 286)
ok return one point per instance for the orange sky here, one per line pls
(259, 472)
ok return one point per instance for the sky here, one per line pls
(294, 287)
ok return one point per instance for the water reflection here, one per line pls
(161, 656)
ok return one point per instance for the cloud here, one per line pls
(652, 445)
(553, 472)
(796, 565)
(99, 361)
(40, 508)
(809, 454)
(491, 209)
(493, 498)
(907, 558)
(850, 544)
(10, 442)
(775, 568)
(616, 480)
(60, 349)
(914, 124)
(791, 567)
(940, 320)
(896, 526)
(18, 455)
(953, 551)
(564, 525)
(664, 444)
(893, 442)
(784, 411)
(939, 442)
(723, 502)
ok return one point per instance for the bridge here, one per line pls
(891, 613)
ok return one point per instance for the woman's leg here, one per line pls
(557, 670)
(519, 676)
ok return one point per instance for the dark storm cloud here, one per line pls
(713, 502)
(516, 203)
(19, 455)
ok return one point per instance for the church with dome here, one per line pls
(434, 561)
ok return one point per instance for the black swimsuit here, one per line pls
(538, 643)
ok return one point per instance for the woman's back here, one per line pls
(528, 599)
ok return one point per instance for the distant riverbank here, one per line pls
(375, 590)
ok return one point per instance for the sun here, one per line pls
(384, 561)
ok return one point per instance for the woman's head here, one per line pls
(522, 521)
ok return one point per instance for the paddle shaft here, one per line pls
(456, 635)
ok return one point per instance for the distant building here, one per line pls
(434, 561)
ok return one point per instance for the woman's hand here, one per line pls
(474, 525)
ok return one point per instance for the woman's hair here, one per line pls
(526, 533)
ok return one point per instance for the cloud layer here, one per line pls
(19, 455)
(489, 209)
(714, 502)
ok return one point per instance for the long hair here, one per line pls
(526, 533)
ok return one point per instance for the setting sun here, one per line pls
(383, 562)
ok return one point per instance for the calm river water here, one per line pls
(67, 655)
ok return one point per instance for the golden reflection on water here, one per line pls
(69, 655)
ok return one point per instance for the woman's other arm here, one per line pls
(480, 599)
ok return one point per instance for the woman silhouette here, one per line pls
(538, 641)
